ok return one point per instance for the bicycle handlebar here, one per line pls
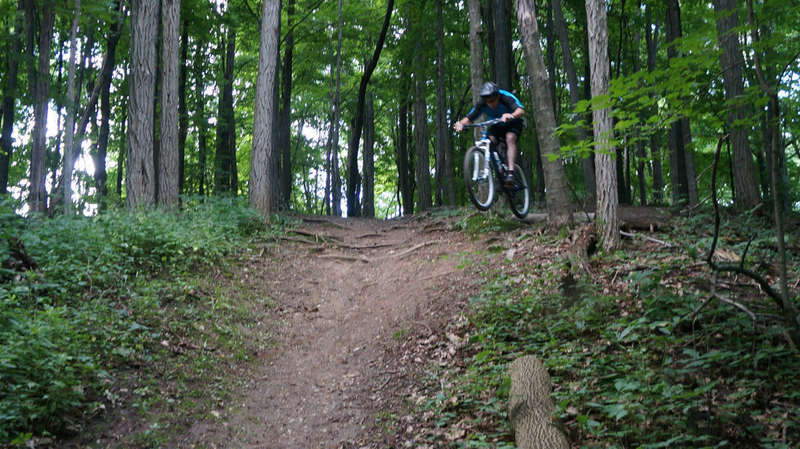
(483, 124)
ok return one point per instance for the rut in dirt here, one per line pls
(343, 289)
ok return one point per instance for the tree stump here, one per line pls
(530, 408)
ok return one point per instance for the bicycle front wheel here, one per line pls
(519, 195)
(478, 178)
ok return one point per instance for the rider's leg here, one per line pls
(511, 149)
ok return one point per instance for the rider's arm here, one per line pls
(518, 113)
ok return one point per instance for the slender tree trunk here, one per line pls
(423, 173)
(403, 159)
(264, 117)
(123, 145)
(223, 162)
(170, 155)
(574, 90)
(336, 182)
(200, 120)
(651, 38)
(444, 169)
(559, 207)
(684, 184)
(551, 56)
(353, 177)
(9, 99)
(100, 173)
(731, 60)
(71, 107)
(502, 43)
(38, 193)
(369, 154)
(140, 176)
(286, 111)
(183, 114)
(607, 206)
(475, 53)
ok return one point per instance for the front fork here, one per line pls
(486, 172)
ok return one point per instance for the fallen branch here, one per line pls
(633, 234)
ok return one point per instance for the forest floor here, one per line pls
(352, 296)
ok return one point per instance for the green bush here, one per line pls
(83, 311)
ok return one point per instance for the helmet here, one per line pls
(489, 89)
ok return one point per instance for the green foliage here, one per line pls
(630, 369)
(95, 301)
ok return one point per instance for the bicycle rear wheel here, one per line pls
(519, 196)
(479, 179)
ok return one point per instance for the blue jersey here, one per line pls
(508, 103)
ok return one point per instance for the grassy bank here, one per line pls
(117, 311)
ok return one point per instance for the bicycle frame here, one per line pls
(485, 145)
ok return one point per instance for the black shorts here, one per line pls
(499, 130)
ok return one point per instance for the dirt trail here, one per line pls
(343, 288)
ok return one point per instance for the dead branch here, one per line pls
(296, 239)
(633, 234)
(323, 237)
(324, 220)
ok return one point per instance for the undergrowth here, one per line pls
(630, 366)
(108, 295)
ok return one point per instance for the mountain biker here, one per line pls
(498, 103)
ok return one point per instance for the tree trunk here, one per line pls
(587, 163)
(651, 38)
(40, 93)
(551, 57)
(336, 182)
(475, 53)
(140, 176)
(607, 206)
(423, 173)
(369, 154)
(71, 107)
(225, 158)
(745, 185)
(169, 155)
(684, 184)
(100, 174)
(264, 114)
(183, 115)
(559, 207)
(444, 169)
(9, 100)
(353, 177)
(286, 111)
(502, 43)
(405, 183)
(200, 121)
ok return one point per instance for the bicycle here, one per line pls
(485, 165)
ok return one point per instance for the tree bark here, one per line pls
(9, 99)
(684, 184)
(140, 176)
(607, 209)
(404, 166)
(502, 43)
(71, 108)
(264, 114)
(200, 121)
(170, 59)
(40, 85)
(286, 111)
(423, 173)
(336, 181)
(444, 168)
(100, 173)
(225, 176)
(183, 115)
(369, 154)
(587, 163)
(745, 185)
(353, 177)
(475, 53)
(651, 38)
(559, 208)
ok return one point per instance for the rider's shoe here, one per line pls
(508, 181)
